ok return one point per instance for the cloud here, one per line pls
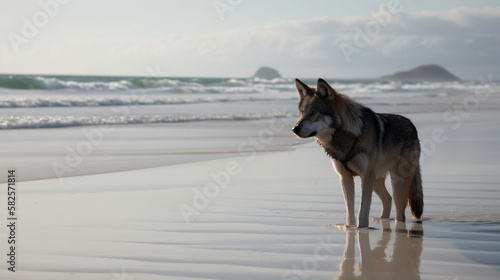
(462, 39)
(456, 38)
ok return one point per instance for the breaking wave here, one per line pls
(54, 121)
(92, 83)
(26, 82)
(62, 101)
(215, 85)
(117, 101)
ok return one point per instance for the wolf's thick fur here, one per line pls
(363, 143)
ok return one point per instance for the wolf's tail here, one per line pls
(416, 195)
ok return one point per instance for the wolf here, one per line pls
(363, 143)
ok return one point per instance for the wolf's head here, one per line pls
(323, 111)
(317, 109)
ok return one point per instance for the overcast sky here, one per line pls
(232, 38)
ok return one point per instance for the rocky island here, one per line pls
(267, 73)
(429, 73)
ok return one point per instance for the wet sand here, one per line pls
(264, 215)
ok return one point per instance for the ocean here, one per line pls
(40, 101)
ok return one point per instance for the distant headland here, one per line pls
(429, 73)
(266, 73)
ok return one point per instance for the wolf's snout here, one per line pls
(296, 129)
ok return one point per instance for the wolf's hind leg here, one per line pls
(400, 189)
(367, 185)
(385, 197)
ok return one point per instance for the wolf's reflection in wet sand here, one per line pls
(403, 263)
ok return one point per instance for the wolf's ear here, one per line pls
(302, 88)
(324, 90)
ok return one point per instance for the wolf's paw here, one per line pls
(363, 229)
(381, 219)
(342, 227)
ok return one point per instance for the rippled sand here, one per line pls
(259, 214)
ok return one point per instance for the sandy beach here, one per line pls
(259, 205)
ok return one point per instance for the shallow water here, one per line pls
(268, 223)
(427, 250)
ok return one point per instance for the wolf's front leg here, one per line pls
(347, 182)
(367, 183)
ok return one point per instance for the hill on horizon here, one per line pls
(429, 73)
(265, 72)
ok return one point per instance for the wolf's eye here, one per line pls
(314, 112)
